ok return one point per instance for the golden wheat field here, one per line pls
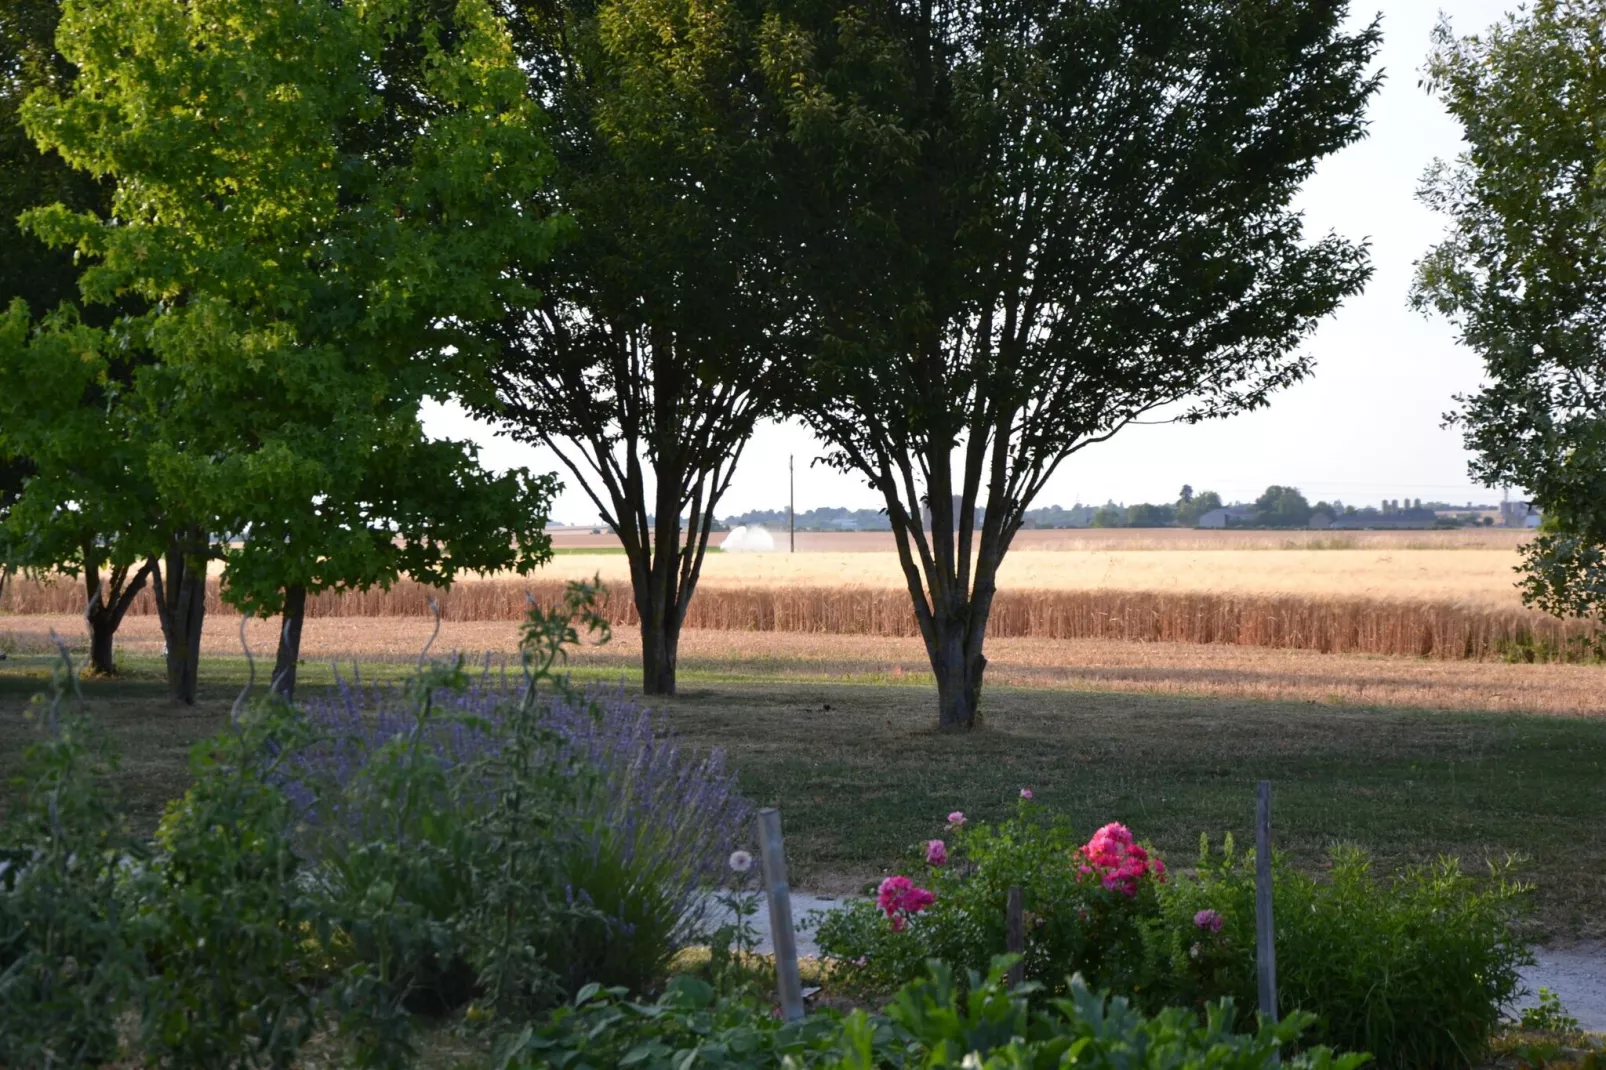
(1450, 597)
(1476, 576)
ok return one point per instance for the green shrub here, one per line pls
(223, 911)
(1415, 969)
(67, 960)
(932, 1022)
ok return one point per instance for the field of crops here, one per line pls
(1449, 597)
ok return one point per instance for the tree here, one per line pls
(1146, 515)
(318, 199)
(1034, 223)
(84, 507)
(50, 537)
(1189, 512)
(1282, 507)
(653, 352)
(1522, 275)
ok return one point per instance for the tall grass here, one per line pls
(1431, 629)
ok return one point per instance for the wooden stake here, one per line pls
(1015, 933)
(788, 986)
(1265, 934)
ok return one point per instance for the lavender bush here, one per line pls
(644, 832)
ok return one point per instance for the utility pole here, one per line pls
(791, 506)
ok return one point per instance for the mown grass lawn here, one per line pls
(860, 773)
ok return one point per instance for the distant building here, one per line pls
(1399, 519)
(1225, 517)
(1519, 515)
(1321, 520)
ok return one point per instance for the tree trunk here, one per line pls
(108, 603)
(284, 666)
(959, 677)
(181, 603)
(102, 656)
(660, 652)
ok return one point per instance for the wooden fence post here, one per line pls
(1015, 933)
(1265, 934)
(788, 986)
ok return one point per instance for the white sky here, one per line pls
(1366, 426)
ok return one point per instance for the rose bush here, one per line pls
(1087, 905)
(1414, 968)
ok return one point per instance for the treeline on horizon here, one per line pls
(1277, 507)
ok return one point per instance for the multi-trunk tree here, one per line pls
(1034, 222)
(655, 346)
(317, 200)
(1522, 274)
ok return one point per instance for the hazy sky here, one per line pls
(1366, 426)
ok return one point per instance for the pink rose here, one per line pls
(956, 819)
(898, 898)
(1026, 793)
(891, 893)
(936, 853)
(1210, 920)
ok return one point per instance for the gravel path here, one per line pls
(1577, 974)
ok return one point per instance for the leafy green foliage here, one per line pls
(1032, 223)
(1415, 969)
(1550, 1016)
(31, 271)
(932, 1022)
(1522, 275)
(602, 1027)
(316, 200)
(656, 346)
(67, 956)
(1282, 507)
(224, 909)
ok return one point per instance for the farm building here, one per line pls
(1226, 516)
(1399, 519)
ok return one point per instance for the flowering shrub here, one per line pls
(649, 825)
(1415, 969)
(1086, 904)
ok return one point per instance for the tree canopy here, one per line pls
(1034, 223)
(654, 349)
(317, 200)
(1522, 275)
